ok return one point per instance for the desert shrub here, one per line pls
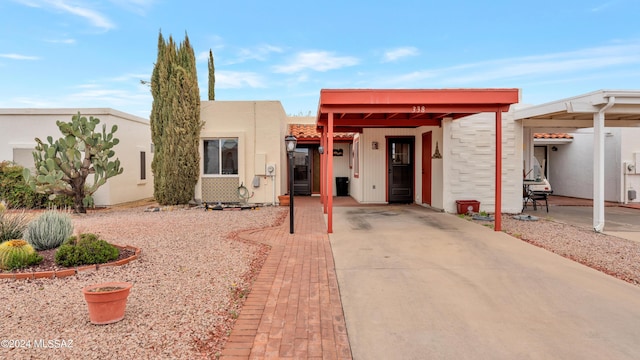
(18, 194)
(85, 249)
(12, 225)
(49, 230)
(15, 254)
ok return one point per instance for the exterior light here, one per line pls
(290, 142)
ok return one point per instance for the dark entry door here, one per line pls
(400, 170)
(301, 172)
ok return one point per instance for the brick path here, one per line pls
(294, 309)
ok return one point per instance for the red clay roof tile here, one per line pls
(310, 132)
(552, 136)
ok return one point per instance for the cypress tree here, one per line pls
(175, 123)
(212, 77)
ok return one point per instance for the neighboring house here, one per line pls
(20, 127)
(607, 163)
(242, 144)
(569, 163)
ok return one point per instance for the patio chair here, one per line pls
(534, 197)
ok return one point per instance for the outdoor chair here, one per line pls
(534, 197)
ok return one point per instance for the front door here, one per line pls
(400, 170)
(426, 167)
(301, 172)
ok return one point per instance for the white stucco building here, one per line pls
(20, 127)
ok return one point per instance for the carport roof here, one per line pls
(578, 111)
(354, 109)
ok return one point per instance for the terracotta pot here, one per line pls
(284, 200)
(106, 301)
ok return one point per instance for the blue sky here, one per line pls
(93, 53)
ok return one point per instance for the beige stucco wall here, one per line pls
(19, 128)
(260, 128)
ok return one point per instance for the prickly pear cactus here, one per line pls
(14, 253)
(62, 166)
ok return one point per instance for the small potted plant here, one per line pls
(283, 200)
(106, 301)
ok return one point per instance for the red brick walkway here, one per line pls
(294, 309)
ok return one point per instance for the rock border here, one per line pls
(73, 271)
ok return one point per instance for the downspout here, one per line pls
(598, 166)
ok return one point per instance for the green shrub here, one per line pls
(49, 230)
(15, 191)
(12, 225)
(85, 249)
(16, 254)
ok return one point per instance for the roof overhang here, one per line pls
(578, 111)
(396, 108)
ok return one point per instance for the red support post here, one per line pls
(498, 196)
(330, 174)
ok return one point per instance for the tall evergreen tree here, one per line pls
(212, 77)
(175, 122)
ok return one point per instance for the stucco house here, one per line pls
(566, 159)
(600, 161)
(20, 127)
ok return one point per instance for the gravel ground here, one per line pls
(198, 254)
(188, 286)
(610, 254)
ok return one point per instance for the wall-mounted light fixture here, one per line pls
(554, 148)
(290, 142)
(374, 145)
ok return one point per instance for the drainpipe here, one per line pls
(598, 166)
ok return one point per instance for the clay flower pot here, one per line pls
(106, 301)
(284, 200)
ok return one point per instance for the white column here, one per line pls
(598, 171)
(598, 166)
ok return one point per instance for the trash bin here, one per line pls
(467, 206)
(342, 186)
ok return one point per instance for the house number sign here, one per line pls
(419, 109)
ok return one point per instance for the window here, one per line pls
(143, 165)
(221, 156)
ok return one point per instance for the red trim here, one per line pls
(330, 174)
(498, 196)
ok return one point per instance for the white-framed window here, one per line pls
(220, 156)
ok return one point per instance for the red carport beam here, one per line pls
(330, 173)
(498, 196)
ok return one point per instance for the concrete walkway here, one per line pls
(418, 284)
(294, 309)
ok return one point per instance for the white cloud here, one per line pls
(602, 6)
(238, 79)
(19, 57)
(62, 41)
(317, 61)
(139, 7)
(534, 67)
(398, 53)
(94, 17)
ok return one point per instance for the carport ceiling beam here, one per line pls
(409, 109)
(362, 123)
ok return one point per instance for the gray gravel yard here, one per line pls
(610, 254)
(186, 288)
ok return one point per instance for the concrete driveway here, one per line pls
(418, 284)
(619, 221)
